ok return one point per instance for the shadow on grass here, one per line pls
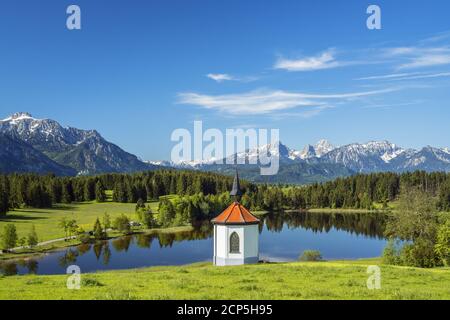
(64, 206)
(16, 217)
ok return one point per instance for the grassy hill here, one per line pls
(324, 280)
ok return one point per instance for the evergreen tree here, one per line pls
(106, 222)
(140, 205)
(4, 196)
(98, 230)
(166, 213)
(100, 194)
(90, 190)
(9, 237)
(32, 238)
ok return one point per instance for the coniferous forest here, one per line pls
(358, 192)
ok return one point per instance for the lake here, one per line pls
(283, 237)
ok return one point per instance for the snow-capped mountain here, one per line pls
(320, 149)
(385, 156)
(43, 145)
(429, 159)
(374, 156)
(369, 157)
(44, 133)
(86, 151)
(323, 147)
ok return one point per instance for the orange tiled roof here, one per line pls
(235, 214)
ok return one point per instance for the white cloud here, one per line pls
(407, 76)
(262, 102)
(325, 60)
(389, 106)
(426, 60)
(420, 57)
(220, 77)
(388, 76)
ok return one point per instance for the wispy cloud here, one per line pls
(220, 77)
(325, 60)
(420, 57)
(388, 76)
(394, 105)
(407, 76)
(262, 102)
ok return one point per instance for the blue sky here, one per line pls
(140, 69)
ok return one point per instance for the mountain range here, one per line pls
(323, 161)
(43, 145)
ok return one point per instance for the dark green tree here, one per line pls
(100, 194)
(98, 232)
(32, 238)
(9, 237)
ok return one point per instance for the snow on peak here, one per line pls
(323, 147)
(19, 116)
(389, 156)
(446, 150)
(307, 152)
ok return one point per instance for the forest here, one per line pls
(203, 194)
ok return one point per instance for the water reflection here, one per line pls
(366, 224)
(282, 235)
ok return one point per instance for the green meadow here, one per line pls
(296, 281)
(46, 220)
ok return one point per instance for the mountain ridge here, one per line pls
(86, 151)
(43, 145)
(373, 156)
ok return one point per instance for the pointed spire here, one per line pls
(236, 191)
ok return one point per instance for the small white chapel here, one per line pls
(236, 233)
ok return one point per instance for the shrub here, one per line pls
(391, 254)
(414, 221)
(90, 282)
(311, 255)
(145, 215)
(442, 247)
(122, 224)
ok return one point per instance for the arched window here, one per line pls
(234, 243)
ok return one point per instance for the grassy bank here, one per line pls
(46, 220)
(324, 280)
(24, 254)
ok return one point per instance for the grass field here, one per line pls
(324, 280)
(46, 220)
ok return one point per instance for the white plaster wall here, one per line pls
(251, 241)
(248, 241)
(221, 241)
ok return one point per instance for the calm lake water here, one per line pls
(283, 237)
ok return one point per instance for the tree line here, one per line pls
(358, 191)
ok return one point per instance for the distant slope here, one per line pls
(294, 173)
(17, 156)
